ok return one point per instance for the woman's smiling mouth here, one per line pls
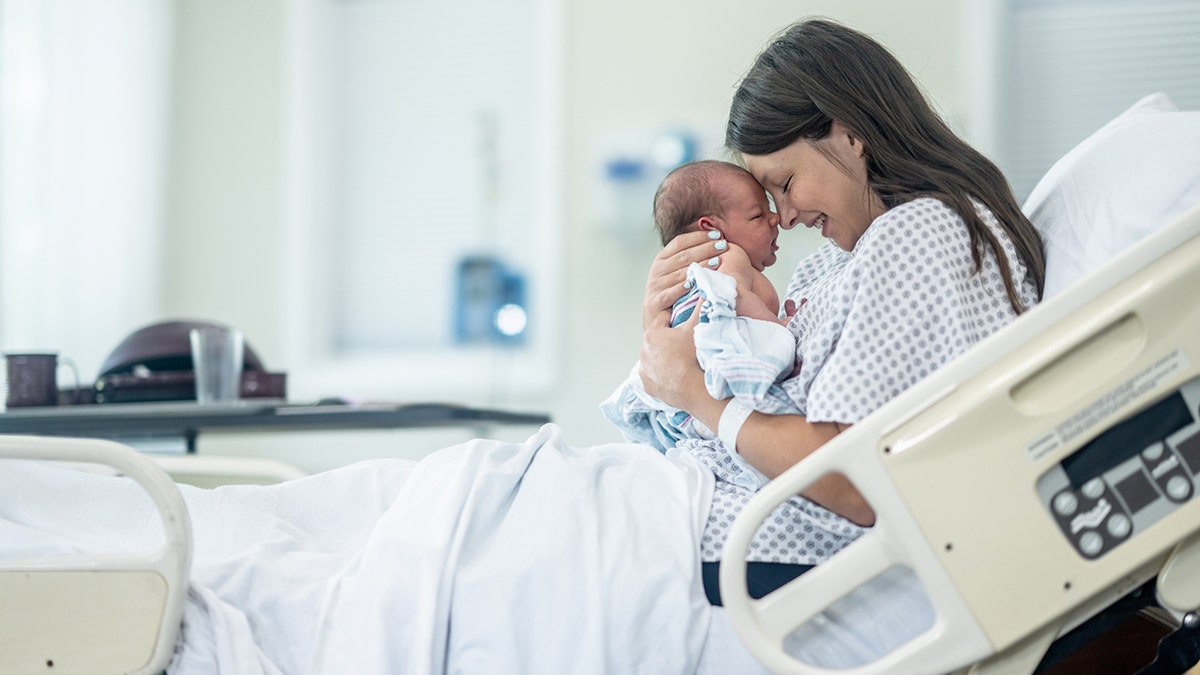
(819, 222)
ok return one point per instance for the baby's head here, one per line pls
(714, 195)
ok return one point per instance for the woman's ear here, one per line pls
(856, 145)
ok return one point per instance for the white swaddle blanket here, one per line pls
(742, 357)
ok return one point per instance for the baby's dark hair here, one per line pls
(688, 193)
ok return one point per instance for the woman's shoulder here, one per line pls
(922, 212)
(925, 222)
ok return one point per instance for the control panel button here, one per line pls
(1154, 452)
(1178, 488)
(1066, 503)
(1119, 525)
(1093, 488)
(1091, 543)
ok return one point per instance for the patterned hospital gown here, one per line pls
(872, 322)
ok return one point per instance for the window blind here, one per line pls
(1072, 65)
(434, 110)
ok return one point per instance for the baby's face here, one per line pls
(748, 220)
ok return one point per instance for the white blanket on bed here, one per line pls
(484, 558)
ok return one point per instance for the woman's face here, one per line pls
(821, 184)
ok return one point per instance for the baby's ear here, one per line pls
(707, 223)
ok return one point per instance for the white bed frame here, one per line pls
(952, 468)
(96, 614)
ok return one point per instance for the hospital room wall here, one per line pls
(676, 63)
(628, 67)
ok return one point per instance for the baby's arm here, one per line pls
(756, 298)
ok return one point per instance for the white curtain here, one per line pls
(83, 114)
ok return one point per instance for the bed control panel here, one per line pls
(1129, 477)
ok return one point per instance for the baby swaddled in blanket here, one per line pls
(745, 349)
(742, 357)
(745, 358)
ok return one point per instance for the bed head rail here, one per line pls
(96, 614)
(998, 481)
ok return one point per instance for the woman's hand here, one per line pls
(668, 272)
(667, 364)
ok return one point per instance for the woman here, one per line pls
(929, 253)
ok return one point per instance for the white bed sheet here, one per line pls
(486, 557)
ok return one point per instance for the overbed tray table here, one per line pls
(183, 421)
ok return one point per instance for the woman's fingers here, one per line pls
(691, 247)
(663, 319)
(667, 357)
(661, 294)
(668, 272)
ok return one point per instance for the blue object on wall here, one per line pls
(491, 305)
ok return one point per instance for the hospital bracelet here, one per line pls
(730, 425)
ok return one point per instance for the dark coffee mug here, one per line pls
(33, 379)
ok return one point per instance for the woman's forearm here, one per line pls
(774, 443)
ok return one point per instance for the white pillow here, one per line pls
(1137, 173)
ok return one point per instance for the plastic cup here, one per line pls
(217, 355)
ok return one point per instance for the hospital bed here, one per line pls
(1021, 491)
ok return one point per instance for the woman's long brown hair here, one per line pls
(818, 71)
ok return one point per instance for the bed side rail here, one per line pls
(967, 471)
(103, 613)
